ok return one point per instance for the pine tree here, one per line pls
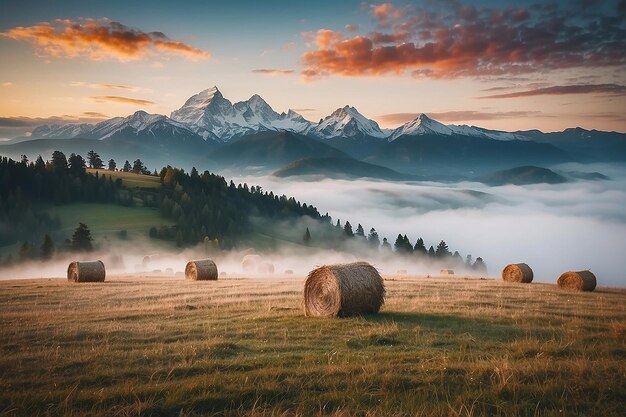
(94, 160)
(442, 250)
(77, 165)
(81, 239)
(468, 261)
(127, 167)
(386, 246)
(373, 238)
(47, 247)
(59, 161)
(399, 244)
(138, 167)
(420, 248)
(338, 223)
(431, 251)
(480, 266)
(359, 231)
(347, 229)
(307, 237)
(112, 164)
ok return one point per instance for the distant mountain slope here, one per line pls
(523, 175)
(332, 167)
(460, 155)
(270, 150)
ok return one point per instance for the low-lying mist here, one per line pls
(553, 228)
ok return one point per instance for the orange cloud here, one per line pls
(98, 40)
(451, 40)
(557, 90)
(103, 86)
(122, 100)
(456, 116)
(269, 71)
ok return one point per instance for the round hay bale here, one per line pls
(92, 271)
(577, 280)
(343, 290)
(517, 273)
(265, 268)
(250, 263)
(202, 270)
(446, 272)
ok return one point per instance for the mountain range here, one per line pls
(210, 131)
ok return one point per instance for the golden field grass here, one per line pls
(161, 346)
(129, 179)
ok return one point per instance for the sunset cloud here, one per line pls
(557, 90)
(11, 127)
(272, 71)
(122, 100)
(99, 39)
(103, 86)
(468, 41)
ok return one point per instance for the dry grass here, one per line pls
(439, 347)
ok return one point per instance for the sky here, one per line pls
(508, 65)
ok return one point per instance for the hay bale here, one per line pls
(577, 280)
(202, 270)
(265, 268)
(517, 273)
(92, 271)
(343, 290)
(446, 272)
(288, 272)
(250, 263)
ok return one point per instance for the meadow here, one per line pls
(163, 346)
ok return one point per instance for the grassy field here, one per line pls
(130, 179)
(106, 220)
(136, 346)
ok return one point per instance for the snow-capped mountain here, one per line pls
(424, 125)
(346, 122)
(139, 122)
(212, 116)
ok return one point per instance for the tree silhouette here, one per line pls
(307, 237)
(386, 246)
(94, 160)
(138, 166)
(47, 247)
(81, 239)
(59, 161)
(373, 238)
(442, 250)
(347, 229)
(431, 251)
(480, 266)
(112, 165)
(420, 248)
(127, 167)
(359, 231)
(77, 165)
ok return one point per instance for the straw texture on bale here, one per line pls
(517, 273)
(577, 280)
(446, 272)
(92, 271)
(202, 270)
(343, 290)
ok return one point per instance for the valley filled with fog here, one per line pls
(554, 228)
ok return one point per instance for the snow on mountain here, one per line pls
(424, 125)
(61, 131)
(211, 115)
(346, 122)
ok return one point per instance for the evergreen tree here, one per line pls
(81, 239)
(26, 251)
(47, 247)
(338, 223)
(138, 166)
(112, 164)
(468, 261)
(127, 166)
(347, 229)
(431, 251)
(77, 165)
(420, 248)
(59, 161)
(386, 246)
(24, 160)
(40, 164)
(442, 250)
(373, 238)
(94, 160)
(359, 231)
(480, 266)
(399, 244)
(307, 237)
